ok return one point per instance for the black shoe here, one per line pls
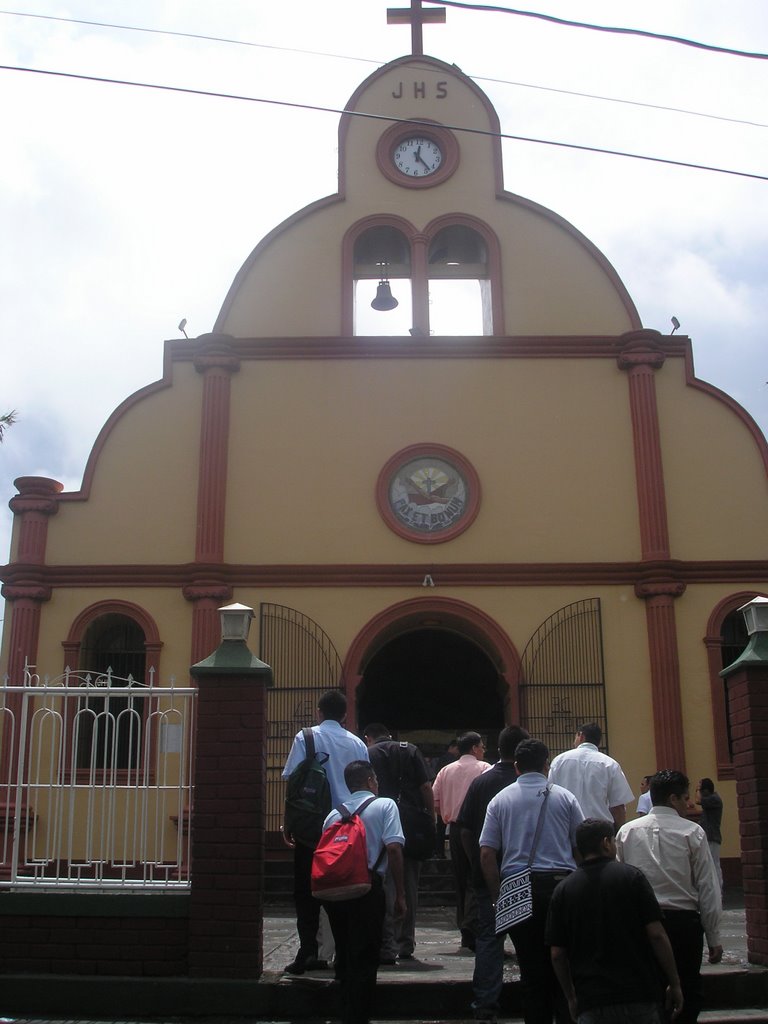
(305, 963)
(387, 961)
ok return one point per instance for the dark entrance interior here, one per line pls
(430, 685)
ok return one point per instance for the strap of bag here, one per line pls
(539, 825)
(346, 814)
(309, 744)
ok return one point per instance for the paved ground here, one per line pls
(439, 961)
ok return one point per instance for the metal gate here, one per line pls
(305, 664)
(562, 682)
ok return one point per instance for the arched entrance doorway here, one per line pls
(431, 668)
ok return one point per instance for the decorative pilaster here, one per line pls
(206, 596)
(217, 362)
(659, 596)
(420, 284)
(641, 357)
(36, 501)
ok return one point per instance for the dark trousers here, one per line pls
(543, 998)
(357, 926)
(307, 907)
(686, 936)
(466, 914)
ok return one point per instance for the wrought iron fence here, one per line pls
(95, 782)
(562, 676)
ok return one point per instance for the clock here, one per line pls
(417, 154)
(428, 493)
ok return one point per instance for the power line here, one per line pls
(682, 40)
(367, 60)
(380, 117)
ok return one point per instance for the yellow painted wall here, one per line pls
(142, 506)
(313, 436)
(552, 282)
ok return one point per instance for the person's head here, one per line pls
(333, 705)
(471, 743)
(595, 838)
(531, 756)
(509, 737)
(375, 732)
(453, 746)
(706, 787)
(360, 775)
(645, 783)
(589, 733)
(670, 788)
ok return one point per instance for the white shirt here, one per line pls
(331, 738)
(674, 856)
(595, 779)
(644, 803)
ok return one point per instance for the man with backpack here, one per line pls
(357, 923)
(315, 785)
(403, 775)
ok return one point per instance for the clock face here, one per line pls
(417, 156)
(428, 495)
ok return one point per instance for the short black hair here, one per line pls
(591, 732)
(531, 755)
(469, 740)
(357, 773)
(707, 786)
(509, 737)
(591, 833)
(377, 731)
(667, 783)
(333, 704)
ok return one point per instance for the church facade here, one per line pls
(501, 499)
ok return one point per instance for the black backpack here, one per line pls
(308, 795)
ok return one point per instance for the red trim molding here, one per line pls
(665, 672)
(436, 613)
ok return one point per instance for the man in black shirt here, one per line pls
(404, 776)
(710, 820)
(607, 940)
(489, 947)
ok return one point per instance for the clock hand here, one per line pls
(421, 159)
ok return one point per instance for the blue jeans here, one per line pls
(489, 956)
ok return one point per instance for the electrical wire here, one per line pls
(380, 117)
(681, 40)
(377, 63)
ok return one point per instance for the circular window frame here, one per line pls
(442, 452)
(396, 133)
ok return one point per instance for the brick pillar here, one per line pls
(747, 684)
(226, 918)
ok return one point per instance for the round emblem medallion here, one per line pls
(428, 493)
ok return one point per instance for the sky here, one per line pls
(124, 210)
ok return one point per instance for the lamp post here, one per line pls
(747, 689)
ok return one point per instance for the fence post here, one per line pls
(226, 922)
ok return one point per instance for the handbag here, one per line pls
(514, 903)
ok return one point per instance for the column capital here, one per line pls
(659, 588)
(216, 352)
(36, 494)
(207, 590)
(26, 592)
(640, 348)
